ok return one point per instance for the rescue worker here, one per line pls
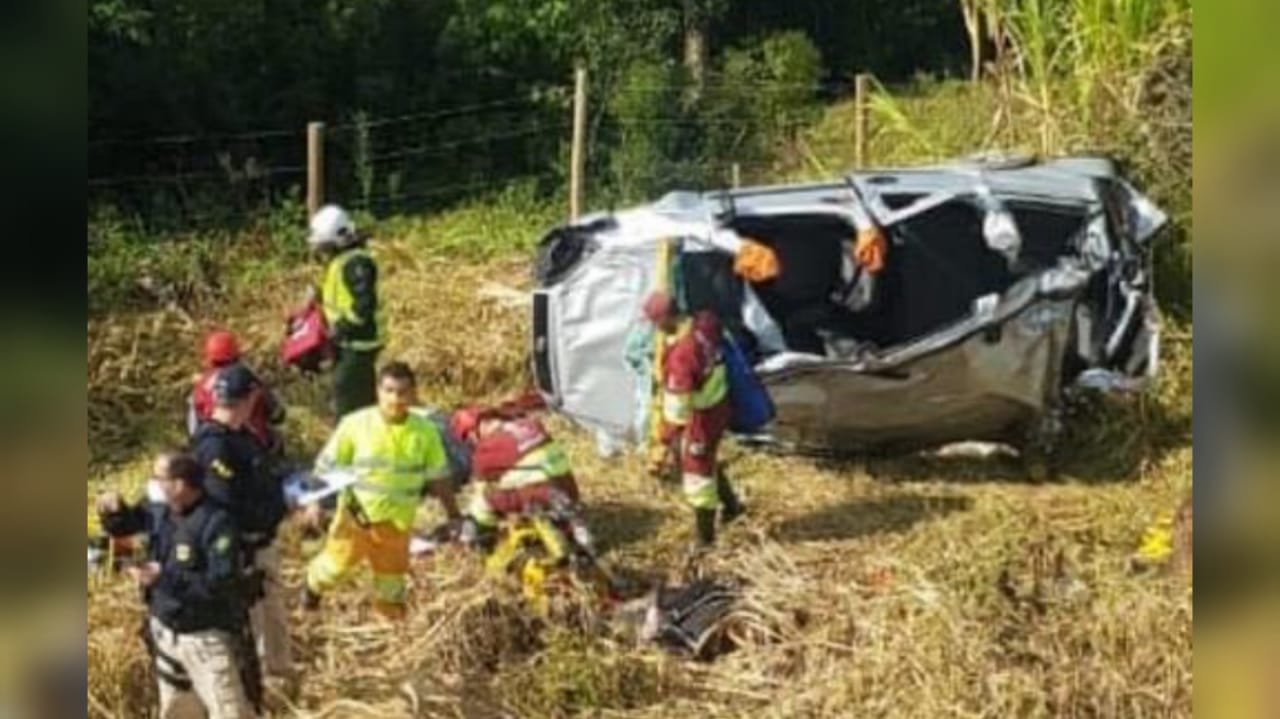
(695, 411)
(396, 454)
(521, 466)
(241, 478)
(192, 584)
(349, 297)
(222, 349)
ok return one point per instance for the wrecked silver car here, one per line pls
(892, 309)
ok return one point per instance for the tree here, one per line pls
(696, 16)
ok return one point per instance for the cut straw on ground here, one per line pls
(913, 587)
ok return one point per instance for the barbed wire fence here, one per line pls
(383, 164)
(639, 141)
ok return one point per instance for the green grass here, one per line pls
(509, 220)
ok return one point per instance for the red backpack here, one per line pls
(306, 339)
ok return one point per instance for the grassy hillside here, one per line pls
(915, 587)
(909, 587)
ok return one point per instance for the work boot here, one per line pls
(730, 506)
(310, 599)
(705, 522)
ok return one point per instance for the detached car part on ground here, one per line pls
(1001, 283)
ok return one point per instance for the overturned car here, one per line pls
(887, 309)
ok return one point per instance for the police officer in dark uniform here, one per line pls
(194, 587)
(241, 477)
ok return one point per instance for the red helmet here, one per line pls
(220, 347)
(464, 421)
(658, 307)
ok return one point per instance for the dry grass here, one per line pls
(889, 587)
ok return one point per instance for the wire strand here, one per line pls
(426, 150)
(434, 114)
(385, 198)
(189, 138)
(113, 181)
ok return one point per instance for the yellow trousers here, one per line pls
(381, 544)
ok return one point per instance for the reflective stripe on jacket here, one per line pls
(339, 302)
(540, 465)
(395, 462)
(694, 375)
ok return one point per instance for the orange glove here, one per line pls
(870, 249)
(755, 262)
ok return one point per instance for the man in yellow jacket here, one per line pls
(349, 296)
(398, 456)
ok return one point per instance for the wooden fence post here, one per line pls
(315, 167)
(861, 95)
(576, 158)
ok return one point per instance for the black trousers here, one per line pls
(354, 380)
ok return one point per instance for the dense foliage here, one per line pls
(198, 107)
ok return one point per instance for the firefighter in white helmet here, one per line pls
(349, 295)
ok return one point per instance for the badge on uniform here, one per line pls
(182, 552)
(220, 469)
(222, 544)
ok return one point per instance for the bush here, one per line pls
(667, 133)
(650, 118)
(765, 91)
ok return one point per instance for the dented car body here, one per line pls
(1002, 284)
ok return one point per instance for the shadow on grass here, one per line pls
(865, 517)
(617, 524)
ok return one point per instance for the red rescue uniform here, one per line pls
(695, 405)
(522, 465)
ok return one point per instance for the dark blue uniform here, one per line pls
(200, 585)
(240, 478)
(198, 606)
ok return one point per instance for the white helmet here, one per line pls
(331, 226)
